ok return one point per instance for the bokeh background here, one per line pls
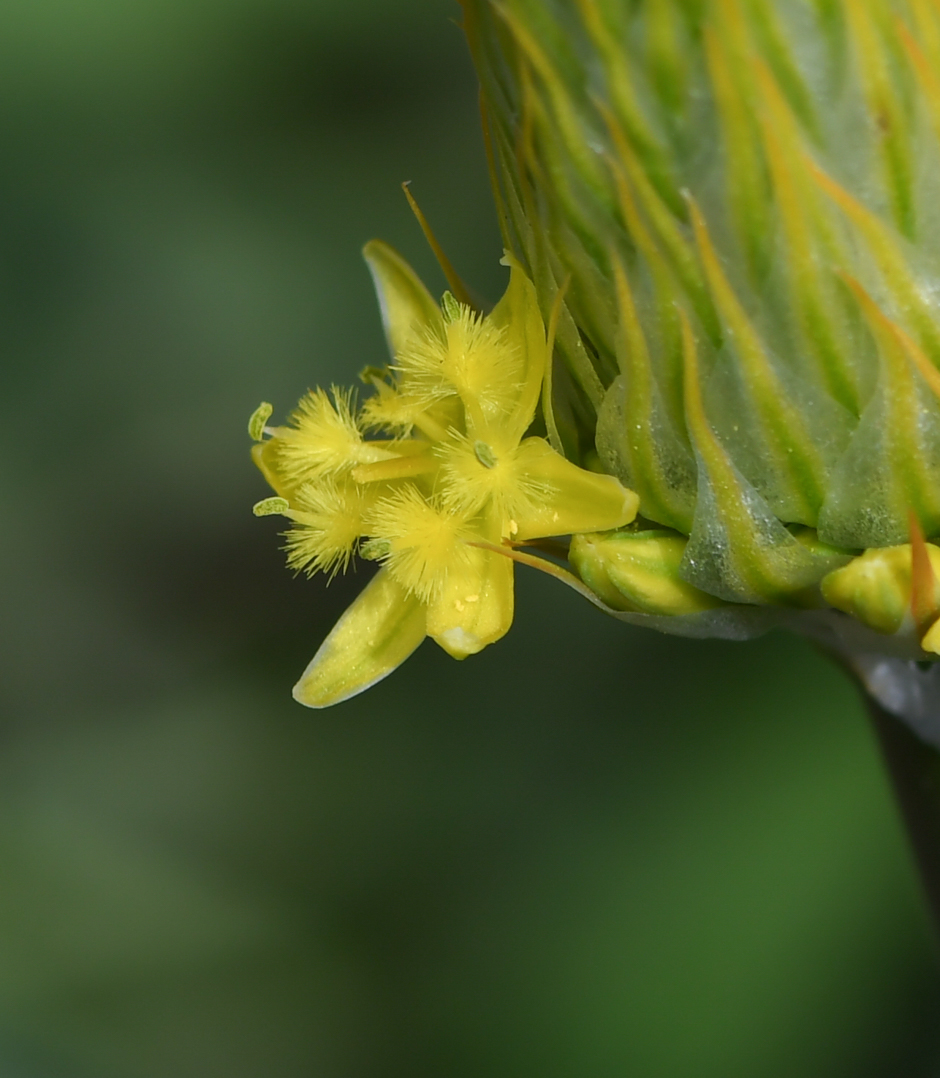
(587, 852)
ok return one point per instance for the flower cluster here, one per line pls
(726, 212)
(433, 476)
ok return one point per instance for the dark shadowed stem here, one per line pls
(914, 767)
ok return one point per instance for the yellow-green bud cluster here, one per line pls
(738, 199)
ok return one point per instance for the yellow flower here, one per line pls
(454, 478)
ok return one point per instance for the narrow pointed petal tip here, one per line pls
(371, 640)
(405, 303)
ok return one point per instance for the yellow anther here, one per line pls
(259, 418)
(269, 507)
(484, 454)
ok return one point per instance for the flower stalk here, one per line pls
(914, 769)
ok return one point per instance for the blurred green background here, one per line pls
(587, 852)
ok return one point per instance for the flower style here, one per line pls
(448, 479)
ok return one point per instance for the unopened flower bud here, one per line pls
(876, 587)
(638, 571)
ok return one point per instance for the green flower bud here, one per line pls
(876, 587)
(638, 571)
(731, 205)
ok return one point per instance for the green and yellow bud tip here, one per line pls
(892, 590)
(638, 571)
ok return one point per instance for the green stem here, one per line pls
(914, 767)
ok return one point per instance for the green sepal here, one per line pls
(892, 464)
(784, 435)
(746, 177)
(777, 453)
(637, 438)
(770, 36)
(738, 550)
(637, 442)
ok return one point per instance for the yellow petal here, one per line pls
(475, 606)
(406, 304)
(375, 635)
(518, 312)
(575, 500)
(264, 454)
